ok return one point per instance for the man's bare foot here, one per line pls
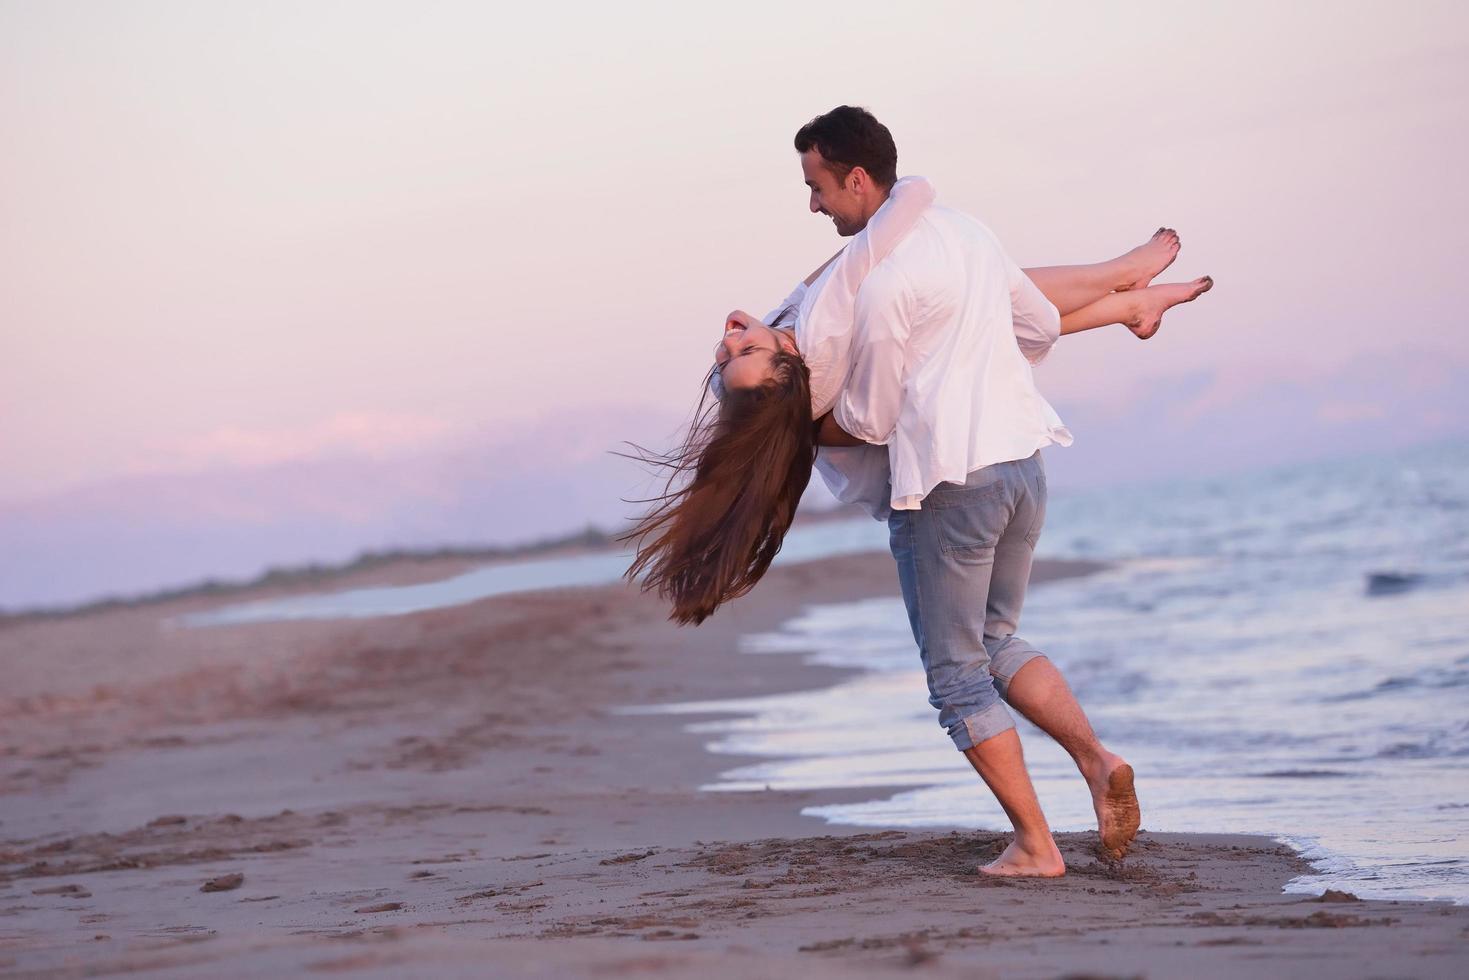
(1042, 861)
(1144, 263)
(1154, 301)
(1115, 800)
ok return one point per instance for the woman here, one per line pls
(734, 484)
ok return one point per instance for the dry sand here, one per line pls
(450, 794)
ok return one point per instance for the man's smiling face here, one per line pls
(833, 196)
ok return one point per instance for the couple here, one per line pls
(901, 369)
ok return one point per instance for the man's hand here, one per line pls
(828, 433)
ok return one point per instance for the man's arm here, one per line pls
(1036, 320)
(828, 433)
(869, 403)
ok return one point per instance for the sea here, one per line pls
(1281, 652)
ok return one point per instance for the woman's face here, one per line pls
(743, 356)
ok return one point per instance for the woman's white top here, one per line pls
(922, 335)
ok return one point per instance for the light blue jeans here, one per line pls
(963, 563)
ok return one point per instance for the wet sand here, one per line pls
(451, 794)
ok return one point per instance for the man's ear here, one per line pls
(858, 180)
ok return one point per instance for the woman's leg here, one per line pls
(1070, 287)
(1140, 309)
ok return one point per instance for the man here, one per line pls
(946, 329)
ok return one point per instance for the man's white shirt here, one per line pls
(946, 329)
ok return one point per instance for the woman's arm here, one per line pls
(820, 269)
(792, 300)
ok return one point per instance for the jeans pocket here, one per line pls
(950, 496)
(969, 521)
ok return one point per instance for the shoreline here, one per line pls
(424, 791)
(395, 566)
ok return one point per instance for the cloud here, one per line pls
(370, 434)
(1241, 417)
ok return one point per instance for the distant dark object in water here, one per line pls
(1391, 583)
(1302, 774)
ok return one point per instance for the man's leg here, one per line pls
(945, 554)
(1033, 853)
(1034, 687)
(1040, 693)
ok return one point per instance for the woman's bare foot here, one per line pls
(1154, 301)
(1144, 263)
(1042, 860)
(1115, 800)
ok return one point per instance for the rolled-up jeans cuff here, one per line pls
(970, 730)
(1007, 664)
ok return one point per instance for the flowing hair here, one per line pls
(731, 492)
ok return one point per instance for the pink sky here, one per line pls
(246, 234)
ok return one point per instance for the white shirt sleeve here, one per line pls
(1036, 319)
(791, 303)
(869, 405)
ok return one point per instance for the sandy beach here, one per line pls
(452, 793)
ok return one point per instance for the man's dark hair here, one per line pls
(848, 137)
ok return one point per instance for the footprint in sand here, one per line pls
(223, 883)
(168, 820)
(383, 907)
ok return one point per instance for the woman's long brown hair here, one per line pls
(731, 493)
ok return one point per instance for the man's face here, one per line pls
(832, 196)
